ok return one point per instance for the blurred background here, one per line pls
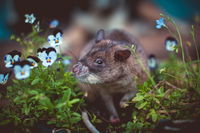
(80, 19)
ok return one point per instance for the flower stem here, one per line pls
(143, 67)
(194, 39)
(181, 43)
(182, 49)
(60, 50)
(175, 36)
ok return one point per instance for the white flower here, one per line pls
(30, 18)
(55, 40)
(48, 56)
(22, 70)
(171, 44)
(152, 62)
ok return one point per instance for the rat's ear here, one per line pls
(122, 55)
(100, 35)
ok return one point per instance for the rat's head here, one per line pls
(104, 63)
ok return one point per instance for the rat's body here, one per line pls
(106, 67)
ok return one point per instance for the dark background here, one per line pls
(137, 16)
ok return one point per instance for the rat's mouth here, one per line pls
(89, 78)
(82, 73)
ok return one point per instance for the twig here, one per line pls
(189, 104)
(62, 129)
(170, 85)
(88, 124)
(166, 94)
(165, 112)
(195, 43)
(166, 83)
(156, 86)
(159, 83)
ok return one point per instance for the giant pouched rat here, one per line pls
(106, 66)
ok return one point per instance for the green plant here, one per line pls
(30, 42)
(48, 94)
(175, 96)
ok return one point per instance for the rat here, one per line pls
(107, 66)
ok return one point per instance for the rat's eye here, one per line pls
(99, 61)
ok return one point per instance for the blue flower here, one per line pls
(160, 22)
(54, 23)
(22, 69)
(66, 62)
(47, 55)
(30, 18)
(55, 40)
(171, 44)
(11, 58)
(4, 78)
(152, 62)
(33, 60)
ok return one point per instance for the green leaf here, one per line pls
(138, 98)
(15, 81)
(18, 39)
(16, 99)
(51, 122)
(75, 119)
(134, 115)
(140, 105)
(4, 122)
(156, 100)
(60, 105)
(76, 100)
(41, 107)
(35, 81)
(26, 110)
(162, 15)
(12, 37)
(46, 102)
(33, 92)
(154, 115)
(76, 114)
(66, 96)
(160, 92)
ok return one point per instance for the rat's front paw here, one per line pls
(114, 119)
(123, 103)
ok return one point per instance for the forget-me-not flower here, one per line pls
(54, 23)
(30, 18)
(160, 23)
(66, 62)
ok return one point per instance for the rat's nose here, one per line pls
(76, 68)
(79, 69)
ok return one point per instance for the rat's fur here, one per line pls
(117, 73)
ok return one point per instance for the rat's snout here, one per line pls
(79, 69)
(76, 68)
